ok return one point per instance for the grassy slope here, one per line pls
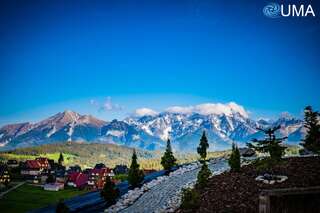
(87, 155)
(29, 197)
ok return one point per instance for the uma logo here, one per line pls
(274, 10)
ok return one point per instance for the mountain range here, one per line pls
(150, 131)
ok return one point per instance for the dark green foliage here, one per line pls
(62, 207)
(109, 192)
(203, 175)
(312, 125)
(121, 177)
(205, 172)
(270, 144)
(168, 160)
(190, 200)
(234, 160)
(135, 175)
(61, 159)
(203, 146)
(266, 165)
(50, 179)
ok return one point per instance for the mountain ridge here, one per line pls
(184, 127)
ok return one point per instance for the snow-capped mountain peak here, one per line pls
(223, 123)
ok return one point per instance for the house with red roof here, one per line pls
(44, 162)
(77, 179)
(32, 170)
(97, 177)
(31, 167)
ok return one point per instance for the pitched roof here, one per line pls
(100, 171)
(42, 160)
(78, 178)
(33, 164)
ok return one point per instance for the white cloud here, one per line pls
(94, 102)
(145, 111)
(210, 108)
(107, 105)
(179, 109)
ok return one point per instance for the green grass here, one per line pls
(68, 158)
(27, 197)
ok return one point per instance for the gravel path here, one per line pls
(157, 198)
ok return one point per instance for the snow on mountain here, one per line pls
(223, 123)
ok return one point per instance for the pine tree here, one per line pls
(203, 146)
(109, 192)
(61, 159)
(312, 125)
(205, 172)
(203, 175)
(135, 175)
(168, 160)
(234, 160)
(270, 144)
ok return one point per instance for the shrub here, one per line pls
(110, 193)
(234, 160)
(50, 179)
(190, 200)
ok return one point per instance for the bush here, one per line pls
(234, 160)
(121, 177)
(203, 175)
(50, 179)
(110, 193)
(190, 200)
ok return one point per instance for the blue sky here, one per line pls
(57, 55)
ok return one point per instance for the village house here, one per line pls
(77, 179)
(4, 175)
(60, 174)
(36, 171)
(31, 171)
(44, 163)
(97, 177)
(31, 167)
(12, 163)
